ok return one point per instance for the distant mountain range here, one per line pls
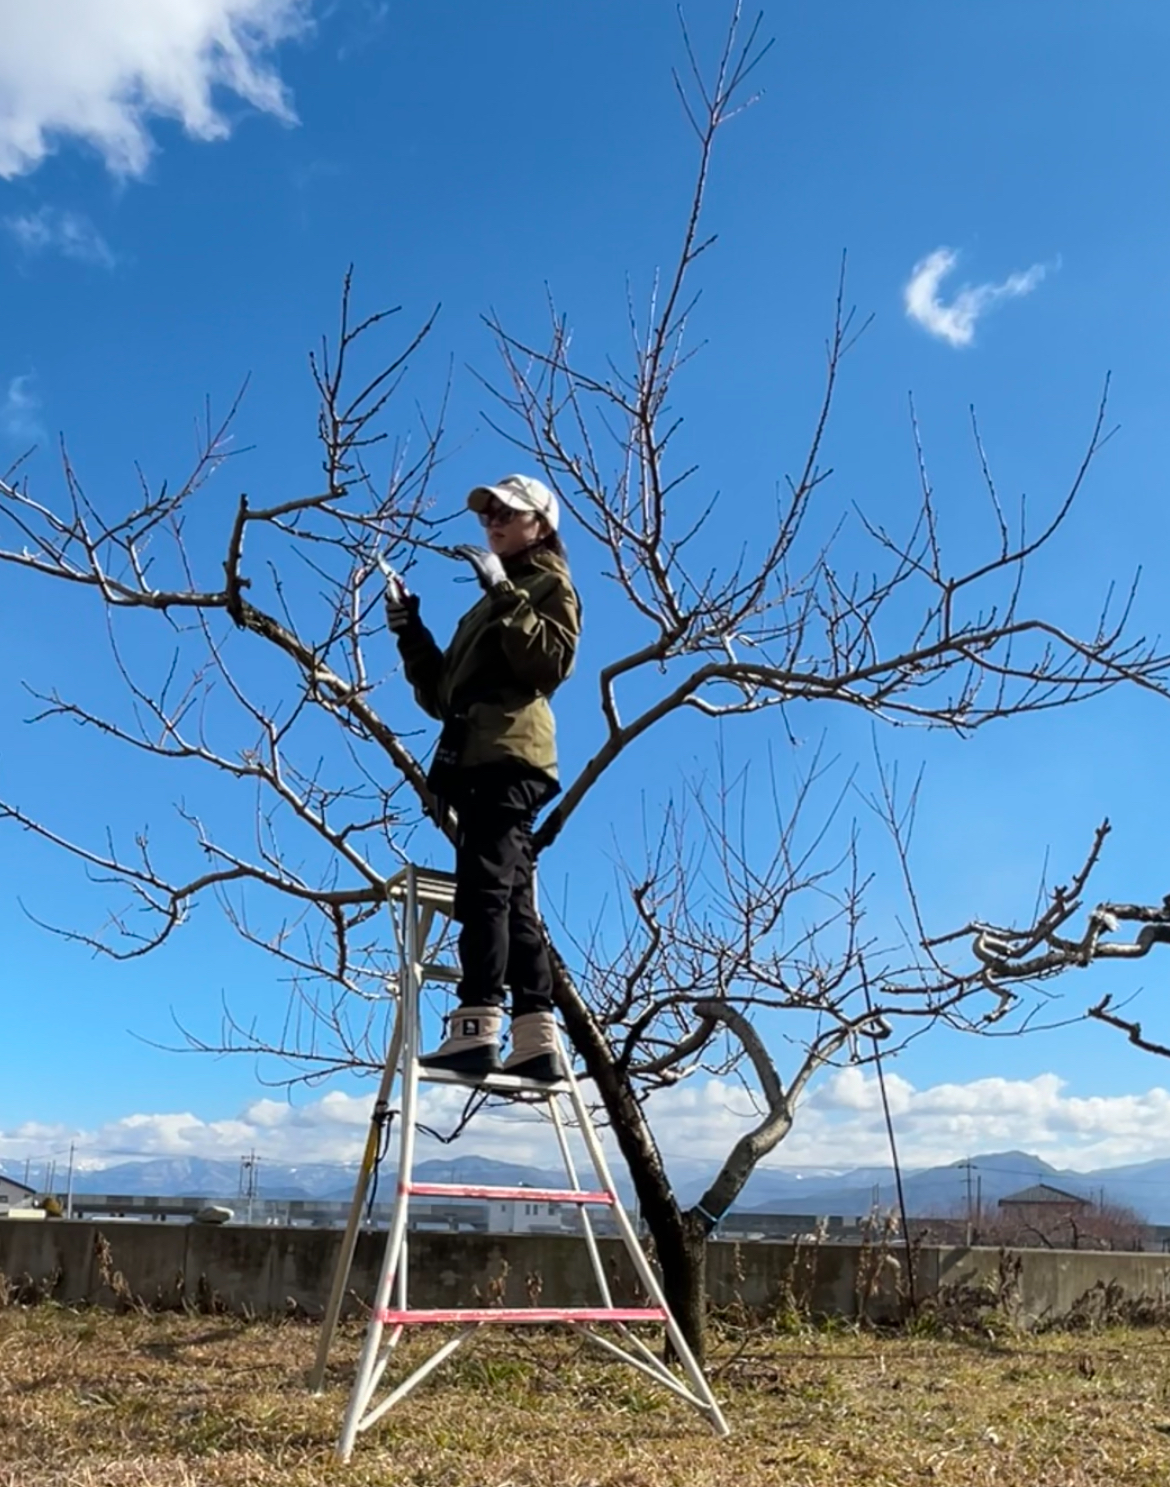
(201, 1178)
(930, 1192)
(946, 1191)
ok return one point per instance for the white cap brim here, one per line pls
(481, 497)
(517, 499)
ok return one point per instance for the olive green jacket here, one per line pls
(509, 654)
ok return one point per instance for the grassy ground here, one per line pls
(94, 1400)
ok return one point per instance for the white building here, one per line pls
(14, 1194)
(521, 1216)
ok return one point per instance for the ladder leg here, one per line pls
(420, 1373)
(654, 1369)
(574, 1183)
(654, 1364)
(646, 1274)
(414, 946)
(650, 1360)
(369, 1369)
(353, 1223)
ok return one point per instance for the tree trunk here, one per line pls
(684, 1279)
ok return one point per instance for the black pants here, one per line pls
(501, 943)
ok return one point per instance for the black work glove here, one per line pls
(488, 568)
(401, 604)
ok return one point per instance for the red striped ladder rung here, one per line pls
(520, 1195)
(519, 1315)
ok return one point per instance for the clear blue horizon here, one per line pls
(476, 158)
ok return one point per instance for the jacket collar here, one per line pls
(533, 558)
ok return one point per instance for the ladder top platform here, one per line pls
(432, 886)
(502, 1084)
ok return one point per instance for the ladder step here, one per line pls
(522, 1195)
(431, 970)
(508, 1084)
(519, 1315)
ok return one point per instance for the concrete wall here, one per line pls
(266, 1271)
(1051, 1281)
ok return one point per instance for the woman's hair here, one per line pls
(550, 542)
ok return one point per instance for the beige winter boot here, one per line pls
(534, 1048)
(472, 1044)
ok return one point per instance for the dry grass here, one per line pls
(95, 1400)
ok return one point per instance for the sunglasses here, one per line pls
(497, 515)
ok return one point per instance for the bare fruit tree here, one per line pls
(1067, 936)
(725, 960)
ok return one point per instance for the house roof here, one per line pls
(11, 1182)
(1042, 1192)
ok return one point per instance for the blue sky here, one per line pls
(169, 228)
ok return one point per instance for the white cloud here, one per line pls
(55, 230)
(955, 322)
(332, 1128)
(840, 1126)
(101, 72)
(843, 1120)
(20, 411)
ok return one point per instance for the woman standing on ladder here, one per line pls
(496, 764)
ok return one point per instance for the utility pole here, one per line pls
(27, 1165)
(249, 1179)
(968, 1166)
(69, 1186)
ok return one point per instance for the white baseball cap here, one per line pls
(521, 493)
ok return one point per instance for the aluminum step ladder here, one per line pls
(417, 897)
